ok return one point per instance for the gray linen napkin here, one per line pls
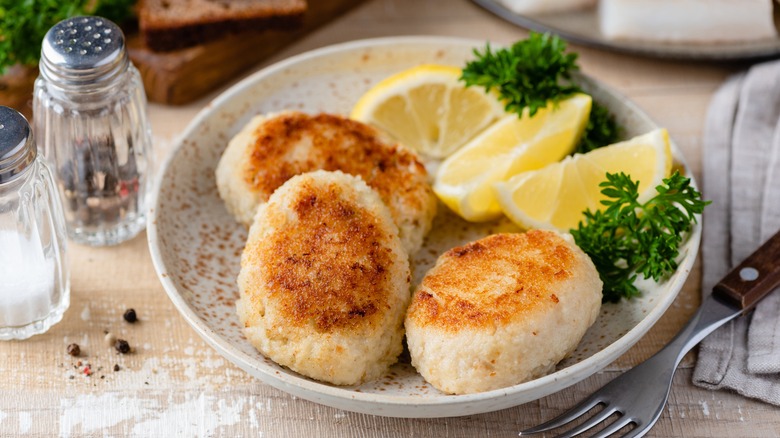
(741, 175)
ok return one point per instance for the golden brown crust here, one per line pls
(294, 143)
(460, 291)
(330, 271)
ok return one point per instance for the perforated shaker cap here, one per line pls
(83, 50)
(17, 149)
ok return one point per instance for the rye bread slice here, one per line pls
(167, 25)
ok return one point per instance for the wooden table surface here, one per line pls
(176, 385)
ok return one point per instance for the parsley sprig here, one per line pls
(527, 74)
(630, 238)
(533, 72)
(24, 23)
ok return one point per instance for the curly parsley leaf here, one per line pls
(24, 23)
(630, 238)
(526, 75)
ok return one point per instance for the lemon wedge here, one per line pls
(512, 145)
(556, 196)
(428, 109)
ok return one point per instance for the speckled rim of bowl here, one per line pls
(403, 406)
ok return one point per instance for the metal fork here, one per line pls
(638, 396)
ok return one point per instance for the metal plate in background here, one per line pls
(582, 27)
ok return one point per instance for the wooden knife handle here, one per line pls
(754, 278)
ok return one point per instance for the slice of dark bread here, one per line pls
(174, 24)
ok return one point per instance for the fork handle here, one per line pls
(754, 278)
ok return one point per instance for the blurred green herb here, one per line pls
(533, 72)
(24, 23)
(602, 129)
(631, 238)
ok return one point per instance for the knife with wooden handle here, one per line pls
(754, 278)
(734, 295)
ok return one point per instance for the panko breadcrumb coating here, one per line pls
(273, 148)
(324, 281)
(501, 310)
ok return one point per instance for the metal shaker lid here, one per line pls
(83, 49)
(17, 149)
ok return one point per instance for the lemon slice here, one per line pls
(428, 109)
(555, 196)
(512, 145)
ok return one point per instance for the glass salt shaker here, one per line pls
(89, 111)
(34, 276)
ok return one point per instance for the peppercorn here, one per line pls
(74, 350)
(116, 367)
(130, 316)
(122, 346)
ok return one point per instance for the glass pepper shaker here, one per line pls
(34, 276)
(89, 111)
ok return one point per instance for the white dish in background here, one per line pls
(582, 27)
(196, 244)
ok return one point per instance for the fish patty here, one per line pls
(324, 280)
(271, 149)
(501, 310)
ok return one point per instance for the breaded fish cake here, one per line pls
(502, 310)
(324, 280)
(271, 149)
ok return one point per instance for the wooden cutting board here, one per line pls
(182, 76)
(16, 87)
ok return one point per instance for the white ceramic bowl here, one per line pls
(196, 244)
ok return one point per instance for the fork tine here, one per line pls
(614, 427)
(639, 430)
(565, 418)
(592, 421)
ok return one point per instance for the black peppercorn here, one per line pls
(122, 346)
(74, 350)
(116, 367)
(130, 316)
